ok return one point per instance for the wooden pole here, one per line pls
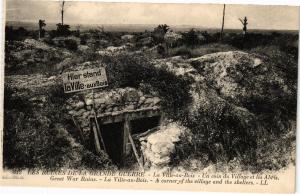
(97, 144)
(222, 29)
(98, 129)
(97, 124)
(62, 13)
(127, 129)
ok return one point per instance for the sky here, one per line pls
(198, 15)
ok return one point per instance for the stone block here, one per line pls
(79, 105)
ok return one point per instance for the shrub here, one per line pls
(191, 38)
(15, 34)
(71, 44)
(93, 162)
(63, 30)
(285, 41)
(180, 51)
(136, 71)
(159, 33)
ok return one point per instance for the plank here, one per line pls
(127, 128)
(96, 139)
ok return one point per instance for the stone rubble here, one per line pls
(158, 146)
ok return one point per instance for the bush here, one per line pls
(71, 44)
(181, 51)
(15, 34)
(63, 30)
(191, 38)
(159, 33)
(285, 41)
(136, 71)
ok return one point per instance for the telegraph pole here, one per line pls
(62, 13)
(222, 29)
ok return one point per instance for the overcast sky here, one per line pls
(203, 15)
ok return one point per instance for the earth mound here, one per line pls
(240, 101)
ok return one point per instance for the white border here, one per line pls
(31, 190)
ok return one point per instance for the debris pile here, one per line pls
(158, 146)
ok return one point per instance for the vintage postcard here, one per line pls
(194, 97)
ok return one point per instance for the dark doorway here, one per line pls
(143, 124)
(113, 139)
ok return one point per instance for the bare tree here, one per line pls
(41, 29)
(62, 29)
(245, 23)
(223, 19)
(62, 12)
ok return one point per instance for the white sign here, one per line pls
(84, 79)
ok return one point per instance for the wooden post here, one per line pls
(223, 18)
(97, 124)
(62, 13)
(127, 129)
(97, 143)
(98, 129)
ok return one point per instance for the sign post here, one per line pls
(86, 79)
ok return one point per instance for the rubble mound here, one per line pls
(239, 77)
(158, 146)
(115, 50)
(32, 56)
(31, 86)
(36, 44)
(237, 97)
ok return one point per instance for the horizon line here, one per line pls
(174, 25)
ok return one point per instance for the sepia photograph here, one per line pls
(97, 89)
